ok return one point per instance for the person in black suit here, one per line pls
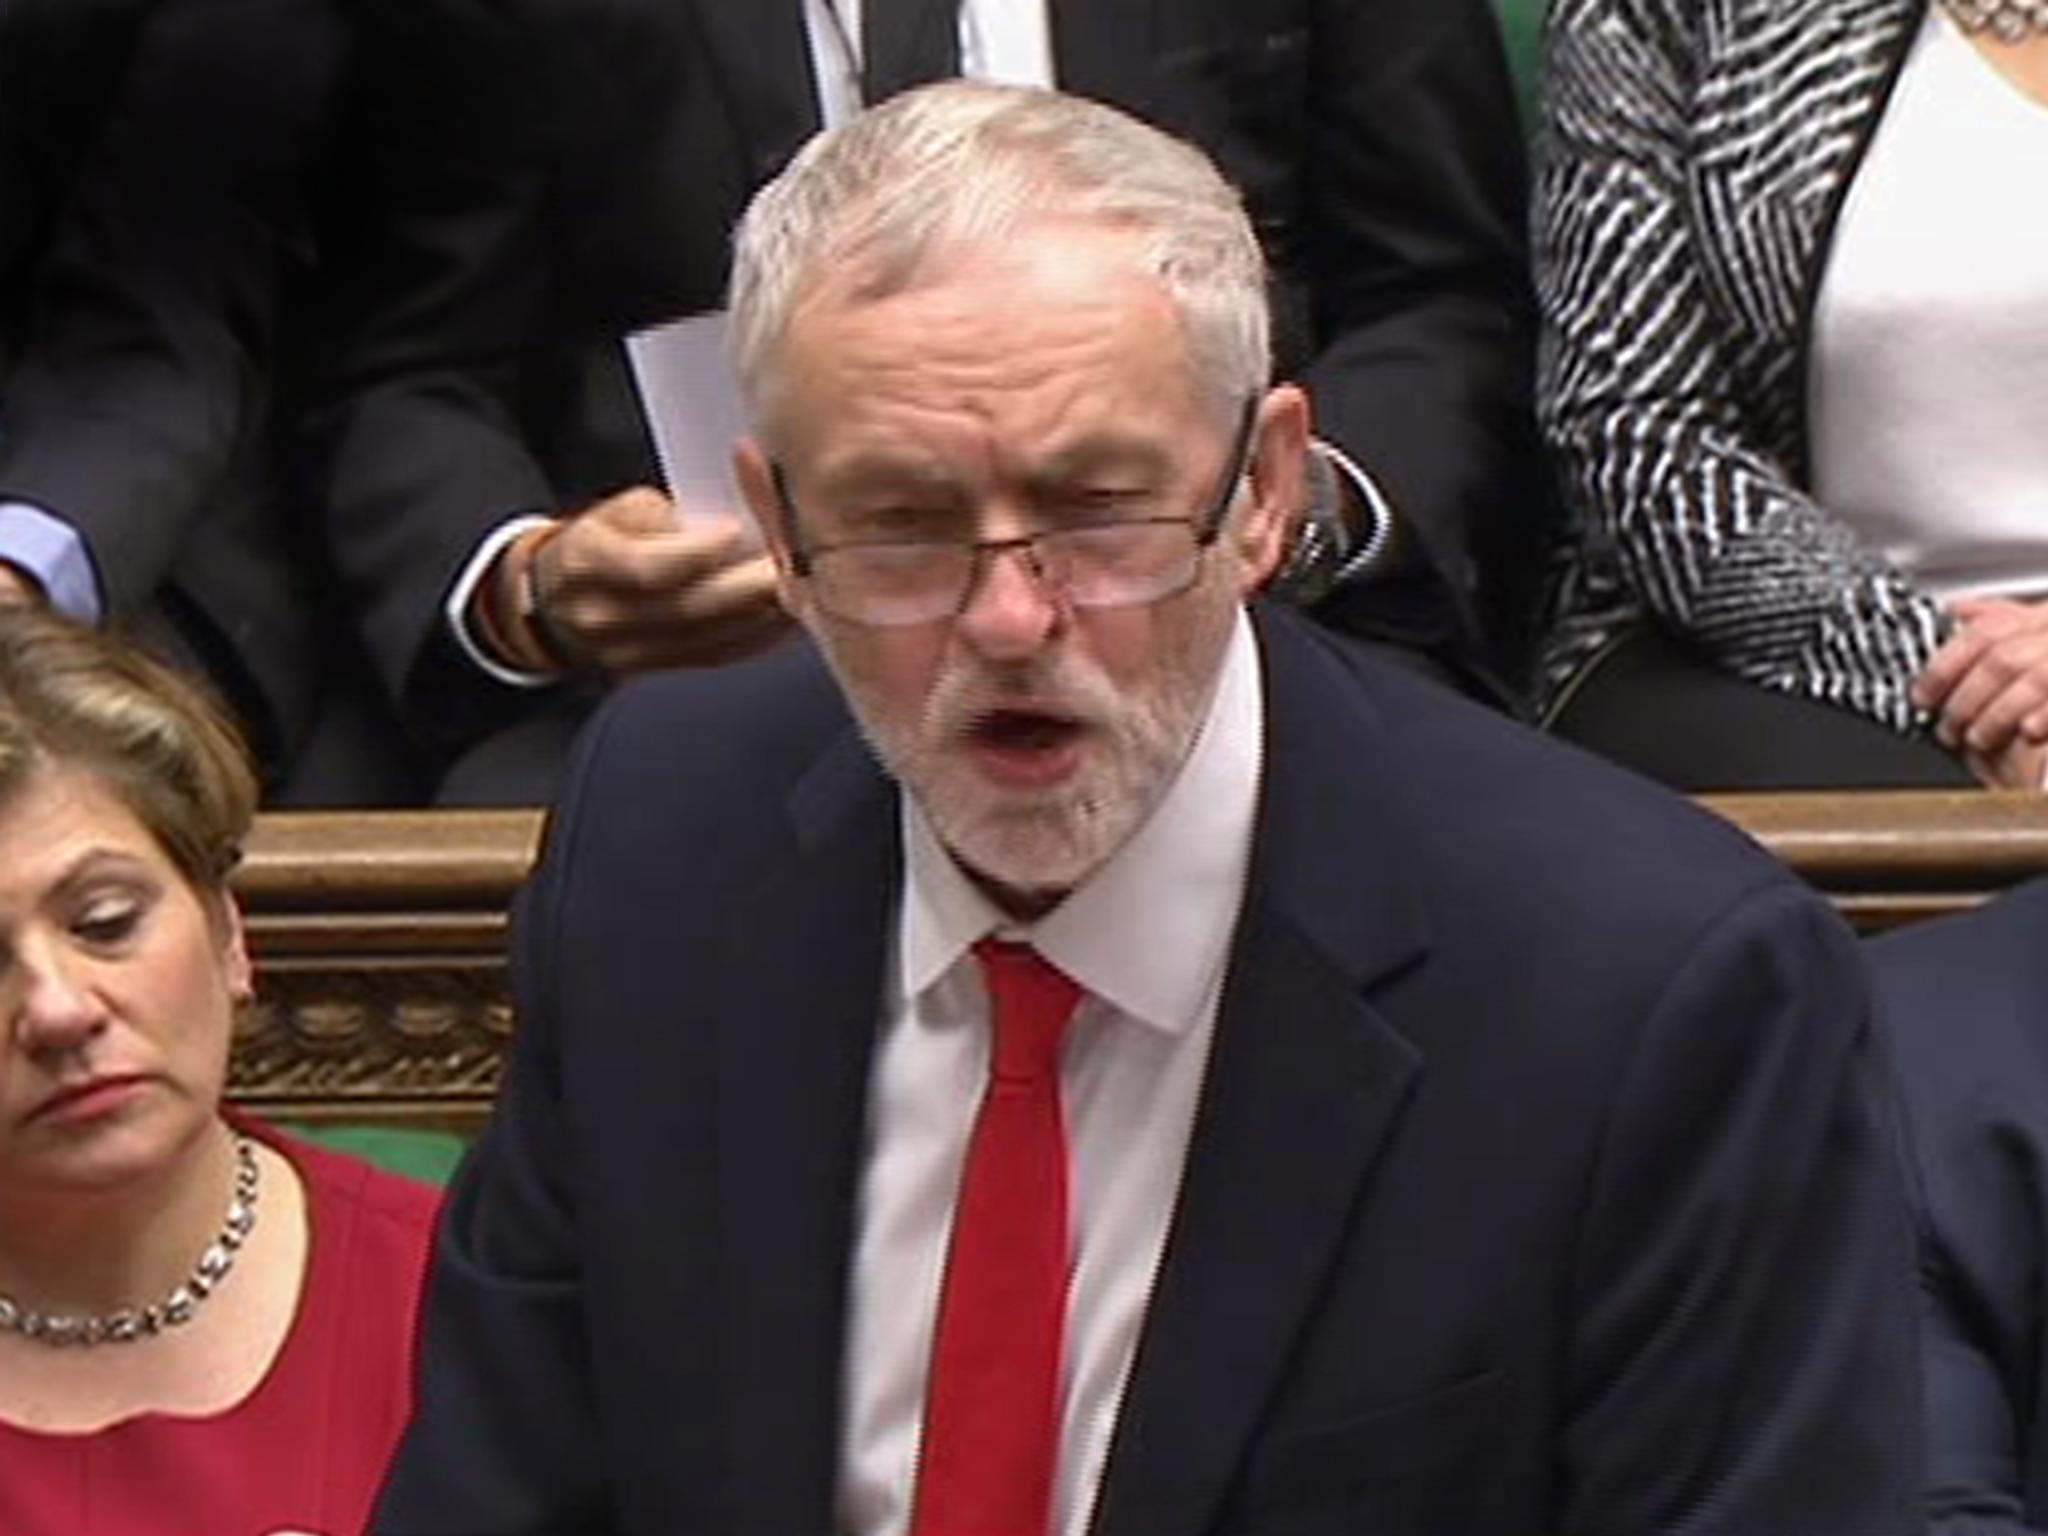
(1453, 1134)
(59, 61)
(1961, 1000)
(152, 222)
(571, 172)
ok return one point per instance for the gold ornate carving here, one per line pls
(379, 1037)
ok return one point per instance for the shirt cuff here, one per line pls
(1372, 543)
(50, 550)
(457, 607)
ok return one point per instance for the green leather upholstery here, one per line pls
(429, 1156)
(1521, 29)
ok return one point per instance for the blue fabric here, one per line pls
(50, 549)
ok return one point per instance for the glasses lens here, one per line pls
(1107, 565)
(911, 582)
(1113, 565)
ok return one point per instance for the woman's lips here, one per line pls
(88, 1100)
(1025, 748)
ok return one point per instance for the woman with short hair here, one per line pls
(205, 1327)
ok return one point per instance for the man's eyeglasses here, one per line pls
(1117, 563)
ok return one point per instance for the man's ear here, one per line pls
(757, 485)
(1263, 529)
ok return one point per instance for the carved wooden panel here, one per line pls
(380, 936)
(377, 1040)
(380, 965)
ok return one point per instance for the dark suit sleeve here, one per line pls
(1412, 256)
(1742, 1358)
(1962, 1007)
(436, 274)
(1975, 1466)
(504, 1436)
(154, 311)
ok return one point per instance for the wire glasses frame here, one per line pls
(1117, 563)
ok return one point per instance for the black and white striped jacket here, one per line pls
(1694, 158)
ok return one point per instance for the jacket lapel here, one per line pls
(1305, 1086)
(1767, 217)
(798, 1008)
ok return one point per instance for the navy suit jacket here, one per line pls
(1965, 1008)
(1538, 1183)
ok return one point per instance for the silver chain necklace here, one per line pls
(131, 1323)
(2007, 20)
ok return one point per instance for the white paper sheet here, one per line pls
(693, 406)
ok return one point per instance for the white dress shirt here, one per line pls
(1148, 937)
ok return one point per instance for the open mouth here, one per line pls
(1023, 730)
(1025, 747)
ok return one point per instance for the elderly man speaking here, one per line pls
(1074, 1051)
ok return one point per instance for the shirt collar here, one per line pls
(1150, 930)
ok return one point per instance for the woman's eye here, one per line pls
(110, 923)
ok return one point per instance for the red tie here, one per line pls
(992, 1408)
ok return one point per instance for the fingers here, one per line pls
(1949, 666)
(634, 542)
(1994, 723)
(1989, 679)
(628, 588)
(2006, 681)
(644, 510)
(719, 618)
(2021, 765)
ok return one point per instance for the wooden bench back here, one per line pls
(380, 936)
(379, 939)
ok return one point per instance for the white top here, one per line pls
(1148, 937)
(1929, 376)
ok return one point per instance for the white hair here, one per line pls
(966, 162)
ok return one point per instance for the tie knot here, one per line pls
(1030, 1000)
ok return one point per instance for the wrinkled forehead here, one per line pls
(1042, 261)
(1065, 316)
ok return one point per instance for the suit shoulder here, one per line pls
(690, 779)
(1498, 807)
(745, 724)
(2003, 935)
(1961, 1000)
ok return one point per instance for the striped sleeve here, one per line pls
(1674, 427)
